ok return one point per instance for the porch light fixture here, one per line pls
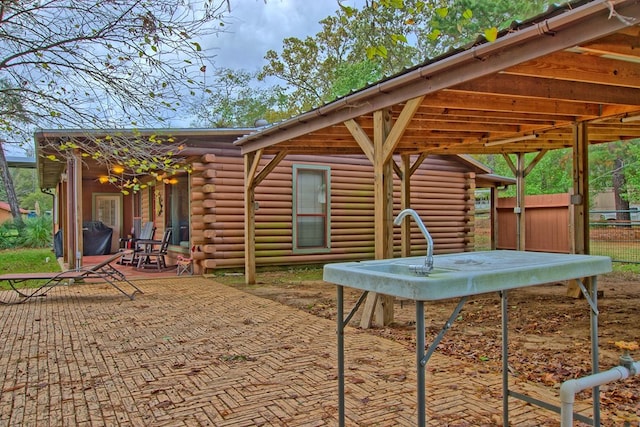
(117, 169)
(510, 140)
(103, 179)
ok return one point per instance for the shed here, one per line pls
(5, 212)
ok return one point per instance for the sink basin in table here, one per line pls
(468, 273)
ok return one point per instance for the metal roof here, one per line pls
(21, 162)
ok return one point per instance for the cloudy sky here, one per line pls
(255, 26)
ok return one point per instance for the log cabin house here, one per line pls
(568, 78)
(310, 209)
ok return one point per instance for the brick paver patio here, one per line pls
(191, 352)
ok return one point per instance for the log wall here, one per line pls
(442, 192)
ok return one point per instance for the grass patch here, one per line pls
(27, 261)
(626, 268)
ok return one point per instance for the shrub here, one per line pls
(37, 232)
(8, 235)
(34, 233)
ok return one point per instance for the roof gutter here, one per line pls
(79, 133)
(545, 27)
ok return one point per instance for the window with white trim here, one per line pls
(311, 208)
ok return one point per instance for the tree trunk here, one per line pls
(620, 190)
(8, 185)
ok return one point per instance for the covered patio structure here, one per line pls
(565, 79)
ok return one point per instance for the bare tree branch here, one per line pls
(104, 64)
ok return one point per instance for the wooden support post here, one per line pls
(381, 306)
(580, 198)
(494, 218)
(251, 161)
(520, 172)
(68, 227)
(386, 137)
(252, 179)
(74, 206)
(520, 205)
(77, 165)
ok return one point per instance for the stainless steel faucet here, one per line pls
(428, 260)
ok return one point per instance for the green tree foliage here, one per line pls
(551, 175)
(338, 59)
(25, 183)
(614, 166)
(11, 111)
(235, 101)
(463, 21)
(357, 47)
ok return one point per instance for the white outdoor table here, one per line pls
(459, 276)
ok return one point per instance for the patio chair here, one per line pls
(103, 270)
(185, 265)
(131, 257)
(152, 257)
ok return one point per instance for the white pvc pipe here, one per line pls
(570, 388)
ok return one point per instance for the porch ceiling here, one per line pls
(196, 141)
(578, 64)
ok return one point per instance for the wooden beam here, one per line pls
(361, 138)
(621, 44)
(580, 199)
(252, 179)
(496, 102)
(580, 196)
(400, 126)
(269, 167)
(534, 162)
(251, 165)
(550, 88)
(510, 164)
(577, 67)
(383, 182)
(421, 158)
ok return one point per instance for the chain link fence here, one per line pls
(614, 237)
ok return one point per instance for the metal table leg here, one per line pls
(420, 364)
(340, 331)
(505, 358)
(595, 364)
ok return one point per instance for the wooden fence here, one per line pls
(547, 223)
